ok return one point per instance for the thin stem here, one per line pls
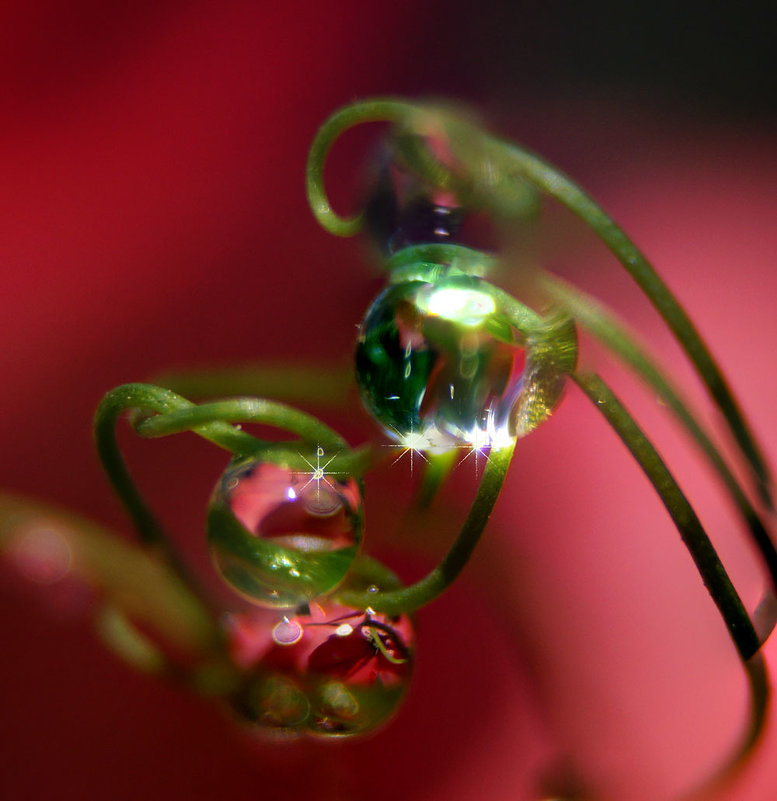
(707, 562)
(440, 578)
(355, 461)
(113, 405)
(242, 410)
(614, 334)
(555, 183)
(378, 110)
(174, 414)
(436, 259)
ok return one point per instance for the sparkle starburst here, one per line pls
(412, 443)
(478, 448)
(318, 472)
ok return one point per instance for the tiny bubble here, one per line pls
(286, 632)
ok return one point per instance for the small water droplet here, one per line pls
(309, 522)
(287, 632)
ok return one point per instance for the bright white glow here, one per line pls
(344, 630)
(415, 441)
(501, 438)
(461, 304)
(290, 494)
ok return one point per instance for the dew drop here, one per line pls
(280, 536)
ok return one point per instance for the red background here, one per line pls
(153, 215)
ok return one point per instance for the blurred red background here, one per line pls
(153, 215)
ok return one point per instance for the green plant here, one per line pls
(445, 359)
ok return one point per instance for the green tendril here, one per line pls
(555, 183)
(242, 410)
(707, 562)
(693, 535)
(160, 412)
(379, 110)
(614, 335)
(408, 599)
(486, 174)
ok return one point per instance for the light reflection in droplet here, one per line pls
(344, 630)
(287, 632)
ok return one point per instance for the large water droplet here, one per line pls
(344, 674)
(439, 364)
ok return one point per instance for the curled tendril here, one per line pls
(503, 179)
(158, 412)
(379, 110)
(487, 173)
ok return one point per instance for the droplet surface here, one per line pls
(281, 537)
(439, 364)
(345, 675)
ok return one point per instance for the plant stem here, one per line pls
(555, 183)
(378, 110)
(440, 578)
(242, 410)
(612, 333)
(113, 405)
(707, 562)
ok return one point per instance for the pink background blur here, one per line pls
(153, 215)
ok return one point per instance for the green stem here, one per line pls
(440, 578)
(173, 414)
(555, 183)
(612, 333)
(705, 558)
(242, 410)
(356, 461)
(707, 562)
(113, 405)
(378, 110)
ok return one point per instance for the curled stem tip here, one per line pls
(377, 110)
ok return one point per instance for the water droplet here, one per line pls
(351, 667)
(462, 376)
(402, 210)
(280, 537)
(287, 632)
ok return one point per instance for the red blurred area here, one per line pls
(153, 215)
